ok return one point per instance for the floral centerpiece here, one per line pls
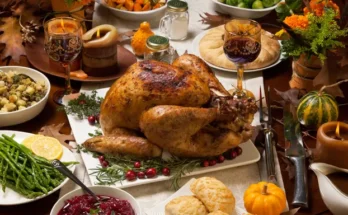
(312, 31)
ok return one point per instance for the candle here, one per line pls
(100, 51)
(332, 144)
(60, 26)
(59, 30)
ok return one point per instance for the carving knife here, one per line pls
(296, 153)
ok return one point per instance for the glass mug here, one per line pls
(174, 24)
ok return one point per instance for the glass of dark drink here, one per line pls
(63, 44)
(242, 45)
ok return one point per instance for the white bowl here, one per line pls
(99, 190)
(20, 116)
(148, 16)
(244, 12)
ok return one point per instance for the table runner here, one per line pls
(237, 179)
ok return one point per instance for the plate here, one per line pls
(39, 59)
(10, 197)
(195, 50)
(81, 128)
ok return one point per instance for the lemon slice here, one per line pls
(29, 140)
(47, 147)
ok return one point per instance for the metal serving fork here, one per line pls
(269, 143)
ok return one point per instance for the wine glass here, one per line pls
(242, 45)
(63, 44)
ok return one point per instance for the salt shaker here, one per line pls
(158, 49)
(174, 24)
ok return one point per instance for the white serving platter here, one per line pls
(81, 128)
(195, 50)
(10, 197)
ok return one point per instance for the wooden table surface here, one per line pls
(276, 77)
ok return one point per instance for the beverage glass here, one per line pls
(242, 45)
(63, 44)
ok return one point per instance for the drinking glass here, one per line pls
(242, 45)
(63, 44)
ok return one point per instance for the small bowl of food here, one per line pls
(249, 9)
(111, 201)
(136, 10)
(23, 94)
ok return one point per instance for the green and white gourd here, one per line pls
(317, 108)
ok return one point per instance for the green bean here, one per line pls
(24, 172)
(13, 166)
(4, 177)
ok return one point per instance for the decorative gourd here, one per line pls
(139, 39)
(264, 199)
(317, 108)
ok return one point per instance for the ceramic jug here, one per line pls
(334, 199)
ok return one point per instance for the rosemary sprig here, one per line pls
(96, 133)
(84, 105)
(119, 165)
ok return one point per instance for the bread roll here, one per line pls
(211, 50)
(217, 213)
(185, 205)
(214, 194)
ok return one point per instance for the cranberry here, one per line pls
(239, 150)
(141, 175)
(130, 175)
(97, 117)
(151, 172)
(166, 171)
(205, 163)
(91, 120)
(137, 164)
(212, 162)
(233, 154)
(82, 102)
(101, 158)
(227, 154)
(221, 159)
(105, 164)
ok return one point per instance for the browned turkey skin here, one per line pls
(181, 108)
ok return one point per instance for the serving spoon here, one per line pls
(65, 171)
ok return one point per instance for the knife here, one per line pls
(296, 153)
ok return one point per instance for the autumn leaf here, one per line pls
(292, 96)
(54, 131)
(328, 75)
(12, 38)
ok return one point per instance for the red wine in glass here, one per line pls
(242, 49)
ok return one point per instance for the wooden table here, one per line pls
(276, 77)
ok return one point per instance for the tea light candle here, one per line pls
(100, 51)
(332, 144)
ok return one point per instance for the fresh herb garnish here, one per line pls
(96, 133)
(84, 106)
(119, 165)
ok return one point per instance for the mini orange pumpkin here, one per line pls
(138, 42)
(264, 199)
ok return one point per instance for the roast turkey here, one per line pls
(181, 108)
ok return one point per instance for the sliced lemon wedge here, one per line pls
(47, 147)
(29, 140)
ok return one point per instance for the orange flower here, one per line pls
(317, 7)
(296, 21)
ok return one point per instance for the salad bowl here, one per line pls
(246, 13)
